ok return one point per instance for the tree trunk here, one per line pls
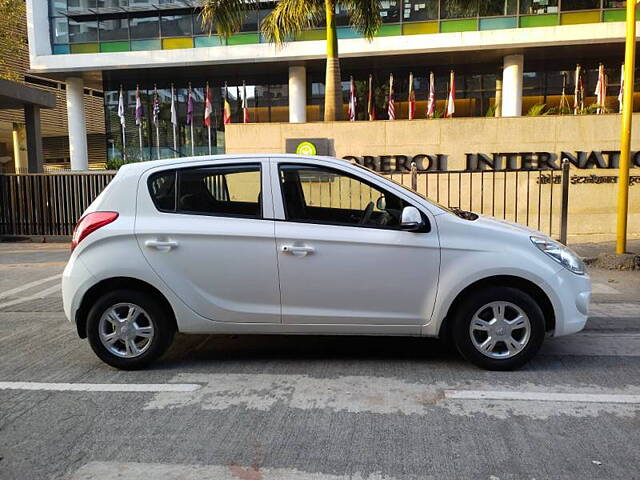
(332, 84)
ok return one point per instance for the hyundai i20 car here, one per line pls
(286, 244)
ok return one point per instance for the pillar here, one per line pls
(20, 148)
(512, 85)
(77, 124)
(498, 103)
(34, 138)
(297, 94)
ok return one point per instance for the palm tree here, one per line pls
(288, 19)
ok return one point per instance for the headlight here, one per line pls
(561, 254)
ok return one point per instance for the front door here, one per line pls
(342, 257)
(206, 232)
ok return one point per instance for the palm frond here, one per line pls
(364, 16)
(290, 17)
(225, 17)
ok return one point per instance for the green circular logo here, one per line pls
(306, 148)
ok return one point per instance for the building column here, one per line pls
(34, 138)
(297, 94)
(512, 85)
(77, 124)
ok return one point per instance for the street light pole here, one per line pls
(625, 141)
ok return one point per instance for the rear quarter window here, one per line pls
(162, 188)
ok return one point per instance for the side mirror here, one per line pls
(411, 219)
(381, 203)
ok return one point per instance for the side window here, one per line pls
(162, 188)
(233, 190)
(322, 195)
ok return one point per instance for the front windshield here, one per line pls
(432, 202)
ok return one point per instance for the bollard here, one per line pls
(414, 177)
(564, 216)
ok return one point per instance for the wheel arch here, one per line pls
(512, 281)
(118, 283)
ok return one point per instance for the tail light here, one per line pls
(90, 223)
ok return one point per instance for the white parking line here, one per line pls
(41, 294)
(27, 286)
(540, 396)
(101, 387)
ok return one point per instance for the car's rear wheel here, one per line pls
(498, 328)
(128, 330)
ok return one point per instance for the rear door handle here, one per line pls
(162, 245)
(297, 250)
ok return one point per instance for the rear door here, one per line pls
(207, 232)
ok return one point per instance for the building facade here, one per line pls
(526, 51)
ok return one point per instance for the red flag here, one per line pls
(451, 99)
(208, 108)
(412, 98)
(391, 108)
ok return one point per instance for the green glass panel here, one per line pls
(388, 31)
(498, 23)
(114, 46)
(312, 35)
(419, 28)
(465, 25)
(209, 41)
(243, 39)
(60, 49)
(145, 45)
(347, 32)
(539, 20)
(85, 48)
(575, 18)
(618, 15)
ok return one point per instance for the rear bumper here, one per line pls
(76, 280)
(573, 293)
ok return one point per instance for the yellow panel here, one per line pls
(580, 17)
(172, 43)
(419, 28)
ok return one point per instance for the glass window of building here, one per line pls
(117, 29)
(341, 16)
(455, 9)
(81, 4)
(176, 25)
(250, 23)
(492, 8)
(580, 4)
(144, 27)
(533, 7)
(112, 3)
(615, 4)
(82, 32)
(419, 10)
(56, 6)
(60, 30)
(390, 11)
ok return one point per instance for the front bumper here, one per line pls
(572, 297)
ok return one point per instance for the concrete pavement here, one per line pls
(326, 408)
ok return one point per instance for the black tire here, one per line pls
(163, 328)
(464, 313)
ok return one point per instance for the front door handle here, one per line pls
(162, 245)
(297, 250)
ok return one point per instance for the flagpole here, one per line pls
(175, 133)
(158, 138)
(193, 147)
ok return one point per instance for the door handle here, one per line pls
(297, 250)
(162, 245)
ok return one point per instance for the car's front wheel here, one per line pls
(498, 328)
(127, 329)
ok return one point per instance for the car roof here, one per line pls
(139, 167)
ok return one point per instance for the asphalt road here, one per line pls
(325, 408)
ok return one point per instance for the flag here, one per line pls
(451, 98)
(352, 100)
(371, 105)
(412, 98)
(226, 114)
(189, 107)
(431, 102)
(391, 108)
(121, 107)
(564, 103)
(601, 89)
(245, 106)
(621, 93)
(138, 107)
(578, 92)
(174, 113)
(208, 109)
(156, 106)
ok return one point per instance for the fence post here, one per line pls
(414, 177)
(565, 202)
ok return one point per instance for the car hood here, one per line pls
(507, 226)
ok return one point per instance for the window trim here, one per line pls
(425, 218)
(176, 193)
